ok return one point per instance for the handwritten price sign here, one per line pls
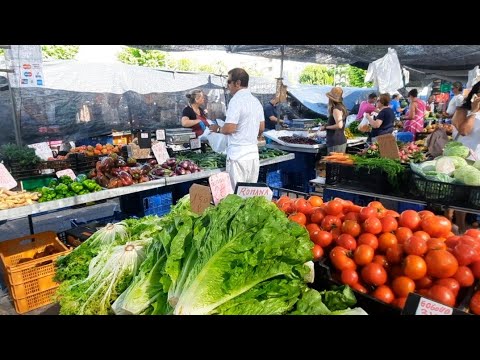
(430, 307)
(66, 172)
(160, 152)
(220, 185)
(6, 179)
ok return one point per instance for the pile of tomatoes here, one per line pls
(386, 254)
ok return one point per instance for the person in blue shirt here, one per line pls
(271, 114)
(395, 105)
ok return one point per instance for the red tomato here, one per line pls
(475, 303)
(415, 267)
(299, 218)
(317, 216)
(349, 277)
(415, 246)
(385, 241)
(367, 212)
(425, 214)
(334, 207)
(425, 282)
(372, 225)
(346, 241)
(442, 294)
(383, 293)
(474, 233)
(422, 235)
(436, 244)
(392, 213)
(317, 252)
(301, 205)
(452, 241)
(351, 227)
(287, 208)
(363, 255)
(331, 222)
(409, 219)
(464, 276)
(336, 232)
(282, 200)
(395, 271)
(354, 208)
(315, 201)
(312, 230)
(437, 226)
(381, 260)
(368, 239)
(475, 267)
(449, 283)
(340, 259)
(374, 274)
(389, 224)
(322, 238)
(402, 234)
(441, 264)
(399, 302)
(352, 216)
(395, 254)
(359, 287)
(402, 286)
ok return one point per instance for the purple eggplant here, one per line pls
(152, 162)
(165, 166)
(180, 170)
(145, 169)
(171, 161)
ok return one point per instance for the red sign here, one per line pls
(430, 307)
(27, 66)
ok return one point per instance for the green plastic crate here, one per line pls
(33, 183)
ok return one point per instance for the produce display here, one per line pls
(209, 160)
(351, 131)
(298, 140)
(265, 153)
(113, 171)
(96, 150)
(408, 152)
(240, 257)
(388, 255)
(12, 199)
(19, 155)
(172, 168)
(65, 187)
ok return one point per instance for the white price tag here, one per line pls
(66, 172)
(6, 179)
(220, 186)
(42, 150)
(430, 307)
(160, 134)
(144, 135)
(160, 152)
(195, 144)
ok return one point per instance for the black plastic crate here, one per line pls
(58, 165)
(437, 192)
(298, 181)
(20, 172)
(83, 163)
(361, 178)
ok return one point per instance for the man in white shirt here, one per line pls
(455, 101)
(244, 123)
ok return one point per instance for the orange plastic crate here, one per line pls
(28, 288)
(12, 251)
(34, 301)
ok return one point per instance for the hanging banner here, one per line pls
(26, 61)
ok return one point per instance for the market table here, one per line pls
(29, 210)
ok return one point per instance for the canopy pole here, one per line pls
(282, 49)
(16, 125)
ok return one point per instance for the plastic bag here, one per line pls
(218, 142)
(364, 125)
(350, 119)
(386, 73)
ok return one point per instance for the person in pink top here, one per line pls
(416, 111)
(367, 106)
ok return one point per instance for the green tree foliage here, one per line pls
(356, 77)
(60, 52)
(150, 58)
(317, 75)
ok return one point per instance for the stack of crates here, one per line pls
(29, 279)
(298, 173)
(271, 175)
(152, 202)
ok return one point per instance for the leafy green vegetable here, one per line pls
(311, 304)
(327, 302)
(456, 150)
(339, 298)
(19, 155)
(394, 170)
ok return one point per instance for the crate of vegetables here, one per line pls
(28, 266)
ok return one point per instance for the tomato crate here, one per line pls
(324, 280)
(84, 163)
(26, 275)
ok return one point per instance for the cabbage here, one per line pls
(427, 166)
(458, 150)
(445, 165)
(476, 165)
(457, 161)
(468, 175)
(451, 144)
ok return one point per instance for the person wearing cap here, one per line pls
(336, 140)
(455, 101)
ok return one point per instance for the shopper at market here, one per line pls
(194, 116)
(395, 105)
(466, 122)
(271, 114)
(382, 123)
(416, 111)
(367, 106)
(455, 101)
(243, 124)
(337, 113)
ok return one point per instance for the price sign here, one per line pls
(419, 305)
(220, 186)
(66, 172)
(195, 144)
(160, 134)
(42, 150)
(246, 190)
(387, 145)
(160, 152)
(6, 179)
(200, 198)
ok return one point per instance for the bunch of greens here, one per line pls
(328, 302)
(394, 170)
(19, 155)
(353, 128)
